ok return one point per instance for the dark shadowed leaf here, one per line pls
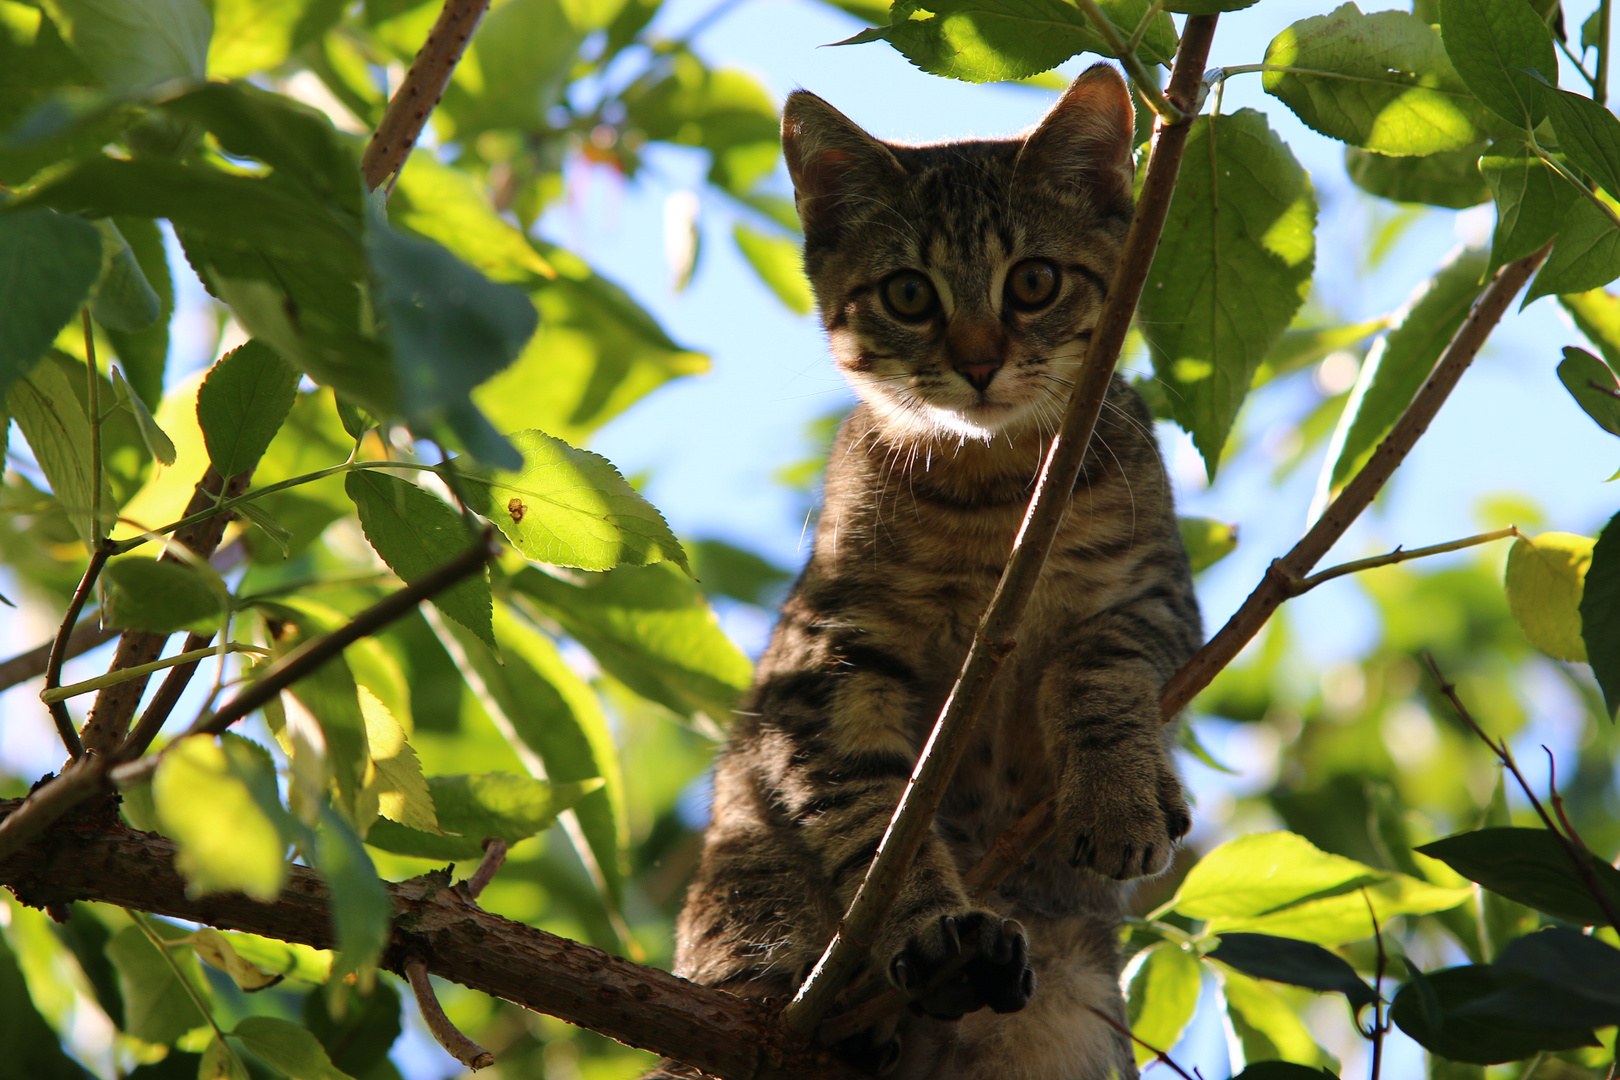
(1299, 963)
(1586, 254)
(723, 569)
(243, 403)
(162, 596)
(157, 1007)
(1530, 866)
(1531, 199)
(1555, 977)
(1588, 134)
(1283, 1070)
(416, 533)
(1429, 1009)
(124, 299)
(1600, 622)
(1494, 45)
(1450, 179)
(472, 808)
(362, 909)
(48, 264)
(1381, 82)
(52, 419)
(1592, 384)
(291, 1050)
(144, 354)
(30, 1047)
(157, 441)
(361, 1038)
(1232, 270)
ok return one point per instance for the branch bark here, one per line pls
(994, 638)
(24, 666)
(724, 1035)
(420, 90)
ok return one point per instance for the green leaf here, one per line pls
(471, 808)
(726, 111)
(1381, 82)
(556, 715)
(779, 264)
(157, 1007)
(651, 629)
(401, 791)
(1298, 963)
(1266, 1019)
(1545, 578)
(30, 1046)
(216, 951)
(1565, 979)
(1283, 1070)
(360, 1039)
(596, 353)
(723, 569)
(1495, 45)
(330, 696)
(289, 1049)
(218, 1063)
(162, 597)
(447, 205)
(416, 533)
(218, 807)
(1302, 347)
(362, 909)
(1531, 200)
(1162, 997)
(515, 70)
(157, 441)
(312, 438)
(1429, 1010)
(451, 328)
(243, 403)
(1597, 316)
(571, 507)
(136, 46)
(1600, 614)
(1264, 872)
(283, 957)
(1401, 361)
(1230, 273)
(145, 353)
(1530, 866)
(1588, 134)
(1001, 40)
(1586, 254)
(53, 421)
(124, 299)
(1207, 7)
(1592, 384)
(258, 35)
(48, 264)
(1450, 179)
(1207, 541)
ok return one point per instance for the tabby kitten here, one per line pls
(958, 285)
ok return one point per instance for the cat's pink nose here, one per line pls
(980, 372)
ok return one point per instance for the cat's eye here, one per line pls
(1032, 284)
(910, 295)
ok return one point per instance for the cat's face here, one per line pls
(959, 283)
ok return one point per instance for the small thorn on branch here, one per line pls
(456, 1044)
(488, 867)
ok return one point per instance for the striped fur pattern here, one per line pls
(962, 369)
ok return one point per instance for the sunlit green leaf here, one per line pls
(1162, 996)
(243, 403)
(447, 205)
(1381, 82)
(1545, 578)
(471, 808)
(48, 411)
(1531, 200)
(257, 35)
(1207, 541)
(1230, 273)
(215, 807)
(157, 441)
(727, 111)
(1266, 1020)
(216, 951)
(1597, 315)
(136, 46)
(401, 791)
(777, 261)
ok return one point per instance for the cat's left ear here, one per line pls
(1089, 130)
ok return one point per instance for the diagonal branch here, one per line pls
(724, 1035)
(994, 637)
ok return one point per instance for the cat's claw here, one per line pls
(1121, 835)
(996, 972)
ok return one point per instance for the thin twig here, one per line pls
(1579, 855)
(92, 405)
(488, 866)
(1158, 1054)
(456, 1044)
(1146, 85)
(1399, 555)
(994, 638)
(420, 90)
(163, 702)
(24, 666)
(59, 652)
(113, 678)
(1600, 90)
(1358, 494)
(1380, 1024)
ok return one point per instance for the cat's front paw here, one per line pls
(962, 962)
(1122, 825)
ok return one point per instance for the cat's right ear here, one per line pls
(832, 161)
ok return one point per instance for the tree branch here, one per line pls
(24, 666)
(420, 90)
(59, 649)
(1358, 494)
(456, 1044)
(994, 638)
(724, 1035)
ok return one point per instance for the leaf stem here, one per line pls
(1563, 170)
(994, 637)
(92, 406)
(59, 650)
(1380, 1022)
(163, 947)
(1591, 80)
(112, 678)
(1146, 85)
(1143, 25)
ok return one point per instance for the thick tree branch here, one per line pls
(1358, 494)
(420, 90)
(994, 638)
(725, 1036)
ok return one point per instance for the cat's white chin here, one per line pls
(983, 421)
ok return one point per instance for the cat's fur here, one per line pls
(928, 481)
